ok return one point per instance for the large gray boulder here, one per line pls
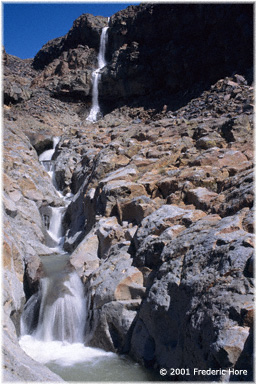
(114, 292)
(198, 311)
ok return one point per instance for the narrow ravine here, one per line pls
(53, 323)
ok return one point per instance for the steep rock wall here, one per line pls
(157, 54)
(170, 52)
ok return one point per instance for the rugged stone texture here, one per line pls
(160, 226)
(67, 62)
(18, 75)
(157, 229)
(115, 292)
(159, 34)
(145, 40)
(27, 188)
(200, 265)
(85, 31)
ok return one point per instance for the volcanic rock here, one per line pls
(160, 217)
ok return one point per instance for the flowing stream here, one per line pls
(96, 75)
(53, 322)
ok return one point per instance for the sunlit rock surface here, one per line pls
(160, 224)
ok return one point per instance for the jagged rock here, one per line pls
(137, 32)
(85, 31)
(146, 166)
(200, 197)
(232, 160)
(108, 232)
(85, 257)
(114, 193)
(115, 290)
(236, 193)
(157, 229)
(136, 209)
(17, 79)
(201, 292)
(15, 91)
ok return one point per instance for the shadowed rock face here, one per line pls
(160, 226)
(162, 50)
(157, 54)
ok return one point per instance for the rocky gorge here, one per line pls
(160, 225)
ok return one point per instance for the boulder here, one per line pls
(157, 230)
(200, 197)
(85, 257)
(116, 192)
(192, 316)
(115, 291)
(108, 232)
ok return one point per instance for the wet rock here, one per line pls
(17, 366)
(27, 187)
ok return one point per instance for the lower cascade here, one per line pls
(53, 330)
(58, 311)
(54, 319)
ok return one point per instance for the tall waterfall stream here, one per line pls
(96, 75)
(53, 323)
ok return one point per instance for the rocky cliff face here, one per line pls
(160, 227)
(162, 52)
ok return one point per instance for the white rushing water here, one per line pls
(55, 228)
(46, 157)
(53, 322)
(96, 75)
(62, 314)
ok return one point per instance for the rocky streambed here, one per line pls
(160, 226)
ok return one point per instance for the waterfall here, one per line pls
(54, 319)
(46, 157)
(57, 312)
(46, 160)
(53, 222)
(55, 226)
(96, 75)
(62, 312)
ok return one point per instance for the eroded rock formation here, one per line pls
(160, 227)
